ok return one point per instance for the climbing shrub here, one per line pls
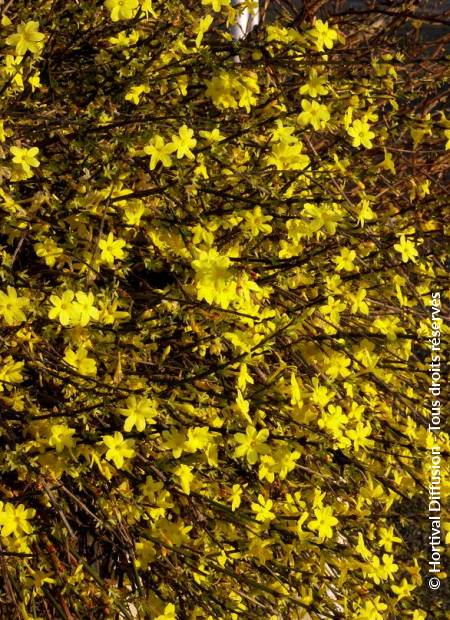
(217, 265)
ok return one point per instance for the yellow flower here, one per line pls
(235, 497)
(139, 412)
(325, 36)
(267, 468)
(174, 440)
(111, 249)
(252, 444)
(135, 93)
(387, 537)
(372, 610)
(48, 250)
(27, 38)
(345, 260)
(216, 5)
(324, 521)
(360, 436)
(119, 448)
(35, 81)
(360, 132)
(80, 361)
(147, 8)
(314, 113)
(315, 85)
(358, 302)
(407, 249)
(244, 377)
(184, 142)
(389, 568)
(333, 421)
(285, 461)
(160, 151)
(320, 394)
(365, 213)
(124, 40)
(61, 437)
(203, 27)
(257, 222)
(227, 91)
(84, 309)
(388, 162)
(285, 156)
(14, 519)
(326, 217)
(185, 475)
(13, 69)
(263, 509)
(26, 158)
(63, 308)
(283, 133)
(213, 280)
(361, 548)
(146, 553)
(222, 89)
(199, 438)
(332, 309)
(121, 9)
(133, 212)
(11, 306)
(201, 170)
(212, 136)
(169, 613)
(10, 373)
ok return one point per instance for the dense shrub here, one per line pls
(215, 285)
